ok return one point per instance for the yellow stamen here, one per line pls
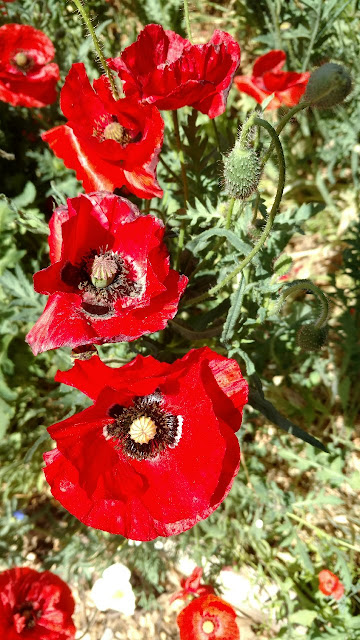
(208, 626)
(142, 430)
(114, 131)
(21, 59)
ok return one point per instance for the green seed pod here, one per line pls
(241, 172)
(328, 85)
(103, 271)
(311, 338)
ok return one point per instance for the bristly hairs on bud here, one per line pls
(311, 336)
(242, 166)
(328, 86)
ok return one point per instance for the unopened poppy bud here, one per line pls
(328, 85)
(311, 338)
(241, 172)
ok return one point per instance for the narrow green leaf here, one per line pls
(268, 410)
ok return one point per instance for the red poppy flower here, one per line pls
(162, 68)
(109, 279)
(330, 585)
(35, 606)
(157, 451)
(26, 77)
(109, 143)
(192, 586)
(267, 78)
(208, 618)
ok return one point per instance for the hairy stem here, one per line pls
(307, 285)
(187, 21)
(281, 125)
(185, 185)
(84, 14)
(266, 232)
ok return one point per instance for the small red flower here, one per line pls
(208, 618)
(109, 279)
(109, 143)
(267, 78)
(157, 451)
(330, 585)
(192, 586)
(26, 77)
(35, 606)
(164, 69)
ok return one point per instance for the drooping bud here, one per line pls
(241, 172)
(328, 85)
(103, 271)
(311, 338)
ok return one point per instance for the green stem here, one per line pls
(283, 122)
(275, 21)
(187, 21)
(84, 14)
(185, 185)
(322, 533)
(307, 285)
(241, 142)
(274, 208)
(312, 39)
(214, 125)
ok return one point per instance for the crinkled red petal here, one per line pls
(168, 494)
(271, 61)
(208, 608)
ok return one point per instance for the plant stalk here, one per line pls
(84, 14)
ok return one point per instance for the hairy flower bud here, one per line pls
(328, 85)
(241, 172)
(311, 338)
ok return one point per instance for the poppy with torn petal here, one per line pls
(35, 606)
(166, 70)
(191, 586)
(27, 76)
(109, 278)
(157, 452)
(109, 143)
(267, 78)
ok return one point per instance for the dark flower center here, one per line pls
(109, 128)
(103, 278)
(144, 430)
(28, 614)
(22, 61)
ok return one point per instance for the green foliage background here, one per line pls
(306, 498)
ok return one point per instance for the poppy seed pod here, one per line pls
(328, 85)
(311, 338)
(241, 172)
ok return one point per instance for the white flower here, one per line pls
(114, 591)
(158, 545)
